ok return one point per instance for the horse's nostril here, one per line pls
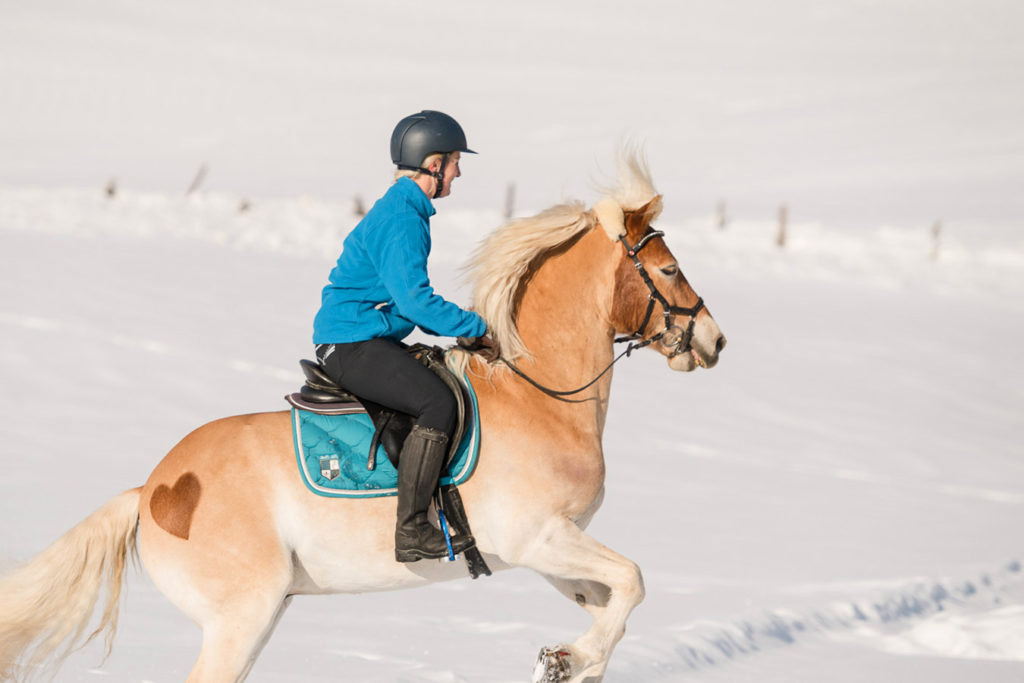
(720, 344)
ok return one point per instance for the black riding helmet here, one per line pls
(429, 132)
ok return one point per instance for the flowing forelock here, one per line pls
(632, 190)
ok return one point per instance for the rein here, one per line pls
(677, 339)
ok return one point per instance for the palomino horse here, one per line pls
(231, 540)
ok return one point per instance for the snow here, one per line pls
(839, 499)
(846, 484)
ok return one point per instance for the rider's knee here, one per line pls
(441, 413)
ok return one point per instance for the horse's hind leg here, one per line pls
(605, 583)
(234, 637)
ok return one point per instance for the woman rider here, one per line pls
(377, 294)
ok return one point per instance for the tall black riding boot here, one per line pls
(419, 466)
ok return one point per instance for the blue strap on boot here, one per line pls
(447, 537)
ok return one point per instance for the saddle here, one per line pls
(320, 394)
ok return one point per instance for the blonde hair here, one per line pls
(408, 173)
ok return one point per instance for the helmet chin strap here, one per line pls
(439, 176)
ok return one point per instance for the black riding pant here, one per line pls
(381, 371)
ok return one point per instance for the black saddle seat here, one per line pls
(319, 388)
(320, 393)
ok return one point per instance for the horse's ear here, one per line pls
(618, 223)
(636, 222)
(652, 209)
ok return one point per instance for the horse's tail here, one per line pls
(46, 605)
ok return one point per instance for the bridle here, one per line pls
(673, 337)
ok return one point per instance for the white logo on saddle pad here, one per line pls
(329, 467)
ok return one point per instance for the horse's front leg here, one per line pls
(589, 595)
(607, 584)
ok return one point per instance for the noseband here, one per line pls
(671, 337)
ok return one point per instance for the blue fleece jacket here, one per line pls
(379, 287)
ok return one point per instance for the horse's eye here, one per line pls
(670, 270)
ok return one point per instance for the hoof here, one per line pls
(553, 666)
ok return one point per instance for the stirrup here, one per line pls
(414, 548)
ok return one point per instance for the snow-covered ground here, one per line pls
(840, 499)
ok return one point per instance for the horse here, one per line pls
(230, 541)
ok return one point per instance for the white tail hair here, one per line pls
(46, 604)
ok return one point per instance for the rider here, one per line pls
(377, 294)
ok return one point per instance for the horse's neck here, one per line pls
(563, 320)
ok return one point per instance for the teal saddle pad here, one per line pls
(332, 453)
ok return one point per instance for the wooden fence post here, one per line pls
(721, 219)
(783, 218)
(510, 201)
(197, 181)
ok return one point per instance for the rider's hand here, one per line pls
(485, 346)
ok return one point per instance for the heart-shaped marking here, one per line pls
(172, 507)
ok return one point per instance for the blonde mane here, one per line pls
(501, 261)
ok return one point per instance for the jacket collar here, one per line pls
(416, 197)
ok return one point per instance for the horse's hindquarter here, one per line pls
(215, 482)
(228, 504)
(207, 521)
